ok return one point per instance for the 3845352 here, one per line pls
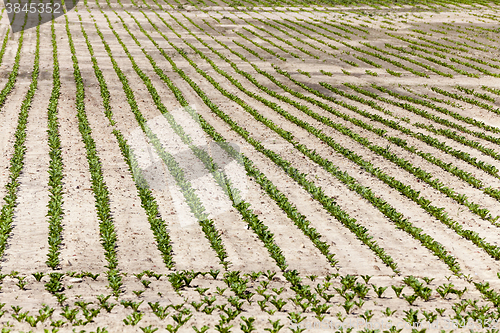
(34, 8)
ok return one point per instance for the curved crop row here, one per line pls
(316, 192)
(191, 197)
(148, 201)
(352, 184)
(17, 160)
(488, 168)
(466, 176)
(280, 199)
(419, 173)
(232, 192)
(101, 193)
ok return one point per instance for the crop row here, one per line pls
(261, 230)
(286, 39)
(378, 55)
(99, 188)
(464, 175)
(17, 159)
(347, 291)
(402, 163)
(216, 69)
(271, 52)
(438, 213)
(467, 118)
(426, 138)
(405, 164)
(191, 197)
(352, 184)
(434, 45)
(315, 191)
(451, 223)
(55, 211)
(446, 122)
(281, 200)
(466, 99)
(148, 201)
(445, 132)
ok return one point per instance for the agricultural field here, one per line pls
(251, 166)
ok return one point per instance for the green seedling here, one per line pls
(179, 320)
(254, 275)
(159, 311)
(388, 312)
(20, 316)
(361, 290)
(429, 316)
(260, 291)
(172, 329)
(340, 317)
(262, 304)
(269, 275)
(220, 291)
(428, 280)
(203, 329)
(359, 303)
(247, 326)
(108, 306)
(397, 290)
(411, 316)
(410, 298)
(214, 273)
(149, 329)
(208, 309)
(38, 276)
(366, 278)
(348, 296)
(221, 329)
(278, 291)
(82, 304)
(134, 318)
(57, 323)
(276, 326)
(235, 301)
(197, 306)
(379, 290)
(209, 301)
(348, 305)
(69, 314)
(278, 303)
(102, 299)
(201, 291)
(393, 329)
(367, 316)
(445, 289)
(458, 292)
(138, 293)
(16, 308)
(440, 311)
(21, 284)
